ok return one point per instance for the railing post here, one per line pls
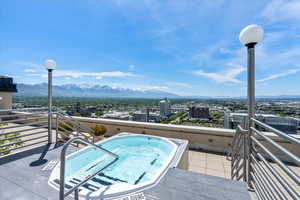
(49, 106)
(77, 133)
(245, 157)
(76, 194)
(56, 134)
(62, 173)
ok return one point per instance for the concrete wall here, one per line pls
(214, 139)
(5, 100)
(202, 138)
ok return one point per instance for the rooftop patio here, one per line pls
(25, 176)
(26, 170)
(210, 163)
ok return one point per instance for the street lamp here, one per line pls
(249, 37)
(50, 66)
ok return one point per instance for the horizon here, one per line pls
(172, 46)
(85, 86)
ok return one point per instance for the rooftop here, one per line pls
(7, 85)
(215, 169)
(25, 175)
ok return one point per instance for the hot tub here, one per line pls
(143, 161)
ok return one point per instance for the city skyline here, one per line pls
(173, 46)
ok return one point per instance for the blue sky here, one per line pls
(188, 47)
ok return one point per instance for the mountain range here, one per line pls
(104, 91)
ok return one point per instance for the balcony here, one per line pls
(216, 157)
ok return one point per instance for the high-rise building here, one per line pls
(197, 112)
(7, 87)
(77, 107)
(165, 107)
(285, 124)
(145, 117)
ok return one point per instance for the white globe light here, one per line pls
(251, 34)
(50, 64)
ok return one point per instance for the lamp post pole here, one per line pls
(251, 102)
(251, 83)
(50, 106)
(249, 37)
(50, 66)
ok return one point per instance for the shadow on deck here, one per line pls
(25, 176)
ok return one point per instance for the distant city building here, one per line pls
(145, 117)
(165, 108)
(77, 107)
(285, 124)
(17, 105)
(7, 87)
(197, 112)
(178, 108)
(117, 115)
(298, 122)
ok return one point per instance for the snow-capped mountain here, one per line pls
(73, 90)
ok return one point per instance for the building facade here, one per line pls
(285, 124)
(145, 117)
(7, 87)
(197, 112)
(165, 108)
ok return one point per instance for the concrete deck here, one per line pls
(210, 164)
(218, 165)
(23, 176)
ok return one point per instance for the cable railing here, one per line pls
(267, 171)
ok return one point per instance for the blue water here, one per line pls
(140, 158)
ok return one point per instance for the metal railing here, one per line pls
(266, 172)
(67, 127)
(22, 128)
(75, 189)
(239, 155)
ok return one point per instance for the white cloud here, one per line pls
(97, 75)
(278, 75)
(37, 74)
(131, 66)
(278, 10)
(227, 76)
(145, 88)
(178, 84)
(38, 70)
(30, 70)
(225, 51)
(268, 57)
(29, 64)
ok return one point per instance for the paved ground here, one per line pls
(209, 163)
(186, 185)
(202, 162)
(218, 165)
(22, 176)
